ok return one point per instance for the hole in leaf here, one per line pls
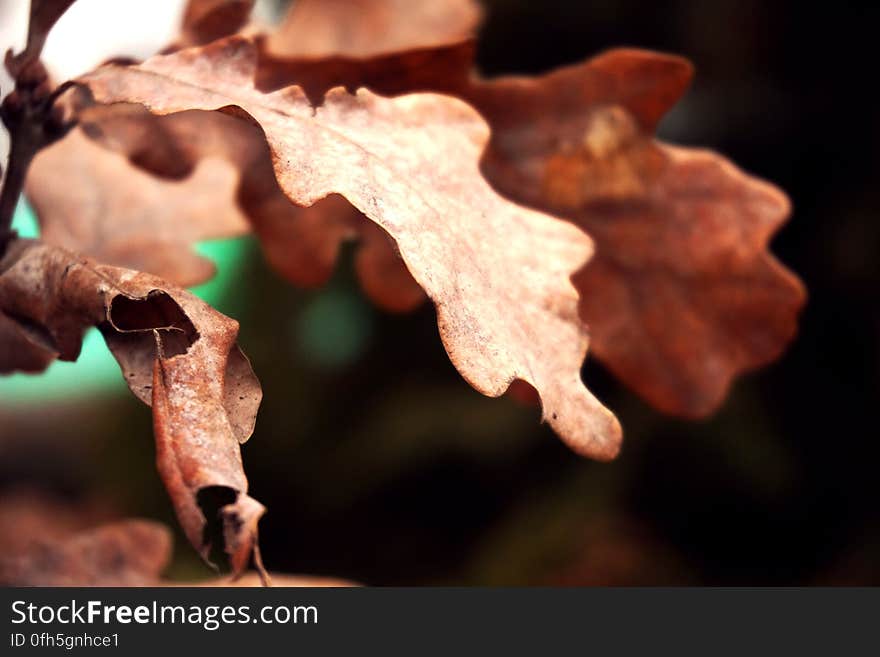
(158, 311)
(210, 500)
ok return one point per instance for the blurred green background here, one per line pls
(378, 463)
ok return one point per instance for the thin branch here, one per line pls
(33, 121)
(19, 162)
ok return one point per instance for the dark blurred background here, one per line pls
(378, 463)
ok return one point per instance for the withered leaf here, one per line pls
(126, 553)
(390, 46)
(300, 243)
(120, 215)
(444, 68)
(682, 294)
(498, 274)
(366, 28)
(176, 353)
(207, 20)
(22, 348)
(116, 214)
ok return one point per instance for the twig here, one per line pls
(19, 161)
(33, 121)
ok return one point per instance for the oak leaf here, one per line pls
(366, 28)
(682, 294)
(301, 243)
(116, 214)
(177, 354)
(442, 69)
(391, 47)
(498, 274)
(676, 319)
(121, 215)
(207, 20)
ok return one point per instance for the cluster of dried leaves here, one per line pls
(539, 215)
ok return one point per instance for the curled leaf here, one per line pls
(176, 353)
(498, 274)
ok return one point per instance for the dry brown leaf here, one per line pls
(499, 274)
(300, 243)
(442, 69)
(176, 353)
(682, 294)
(120, 215)
(391, 47)
(207, 20)
(126, 553)
(116, 213)
(21, 348)
(366, 28)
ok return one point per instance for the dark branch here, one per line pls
(33, 121)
